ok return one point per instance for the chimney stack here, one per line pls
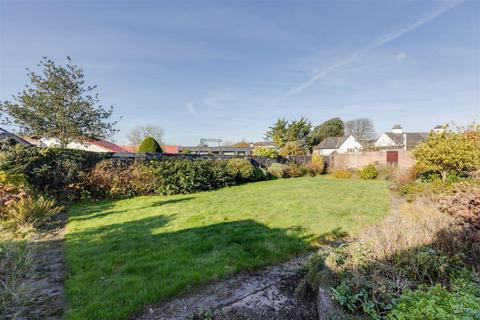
(397, 129)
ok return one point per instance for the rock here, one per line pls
(325, 304)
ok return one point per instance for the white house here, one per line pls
(338, 145)
(398, 139)
(87, 145)
(4, 134)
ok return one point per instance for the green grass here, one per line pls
(123, 255)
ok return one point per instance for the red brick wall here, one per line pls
(359, 159)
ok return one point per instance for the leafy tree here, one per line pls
(265, 152)
(58, 104)
(298, 130)
(149, 145)
(283, 131)
(139, 133)
(449, 151)
(361, 129)
(278, 132)
(293, 148)
(331, 128)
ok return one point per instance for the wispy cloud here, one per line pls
(190, 106)
(386, 38)
(401, 55)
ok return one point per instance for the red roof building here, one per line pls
(166, 149)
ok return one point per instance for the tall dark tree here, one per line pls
(330, 128)
(298, 130)
(58, 104)
(278, 132)
(284, 131)
(286, 134)
(361, 129)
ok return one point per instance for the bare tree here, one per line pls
(361, 129)
(138, 133)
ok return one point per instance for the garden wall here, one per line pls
(355, 160)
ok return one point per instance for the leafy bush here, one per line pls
(462, 201)
(9, 194)
(312, 169)
(318, 162)
(186, 176)
(222, 176)
(293, 170)
(292, 149)
(51, 171)
(418, 247)
(33, 211)
(259, 174)
(341, 173)
(462, 302)
(265, 152)
(149, 145)
(242, 170)
(277, 170)
(112, 178)
(450, 151)
(369, 172)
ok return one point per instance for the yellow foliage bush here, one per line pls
(341, 173)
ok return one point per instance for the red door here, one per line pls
(392, 157)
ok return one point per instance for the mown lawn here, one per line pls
(123, 255)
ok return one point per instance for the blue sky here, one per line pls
(229, 69)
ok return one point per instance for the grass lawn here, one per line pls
(123, 255)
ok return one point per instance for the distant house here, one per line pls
(222, 150)
(265, 144)
(4, 134)
(166, 149)
(338, 145)
(94, 145)
(398, 139)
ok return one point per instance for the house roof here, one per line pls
(166, 149)
(331, 143)
(4, 134)
(413, 138)
(106, 145)
(131, 148)
(170, 149)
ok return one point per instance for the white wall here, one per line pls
(384, 141)
(325, 152)
(52, 142)
(350, 145)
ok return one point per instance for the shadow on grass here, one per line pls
(104, 207)
(117, 269)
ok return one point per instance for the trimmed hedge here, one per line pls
(149, 145)
(67, 174)
(114, 178)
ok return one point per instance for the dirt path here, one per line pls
(267, 294)
(44, 288)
